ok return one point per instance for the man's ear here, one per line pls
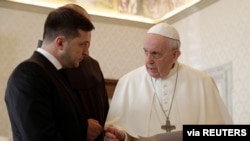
(59, 41)
(176, 53)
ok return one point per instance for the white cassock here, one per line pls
(135, 106)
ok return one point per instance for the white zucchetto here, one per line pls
(166, 30)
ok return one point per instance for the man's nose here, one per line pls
(85, 52)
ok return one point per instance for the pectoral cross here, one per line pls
(168, 126)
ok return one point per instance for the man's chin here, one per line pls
(153, 74)
(76, 65)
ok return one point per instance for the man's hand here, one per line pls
(94, 129)
(113, 134)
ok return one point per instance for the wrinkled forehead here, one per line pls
(155, 41)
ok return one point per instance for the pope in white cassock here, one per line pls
(163, 94)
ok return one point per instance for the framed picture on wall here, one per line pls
(223, 79)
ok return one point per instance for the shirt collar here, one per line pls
(50, 57)
(173, 70)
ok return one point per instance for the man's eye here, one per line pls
(85, 44)
(156, 54)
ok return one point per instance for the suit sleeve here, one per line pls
(29, 102)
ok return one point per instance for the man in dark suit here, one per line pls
(40, 102)
(88, 83)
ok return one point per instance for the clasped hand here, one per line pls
(94, 129)
(114, 134)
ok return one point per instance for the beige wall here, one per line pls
(216, 35)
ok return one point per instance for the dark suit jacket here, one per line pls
(88, 82)
(41, 105)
